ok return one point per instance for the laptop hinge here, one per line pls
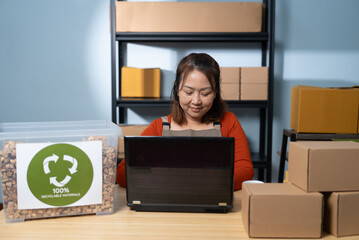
(136, 202)
(222, 204)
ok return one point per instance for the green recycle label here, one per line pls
(60, 174)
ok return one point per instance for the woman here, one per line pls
(199, 110)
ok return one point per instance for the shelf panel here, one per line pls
(259, 162)
(294, 136)
(191, 37)
(166, 102)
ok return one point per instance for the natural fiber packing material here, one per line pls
(341, 214)
(324, 110)
(189, 16)
(140, 82)
(281, 210)
(56, 169)
(324, 166)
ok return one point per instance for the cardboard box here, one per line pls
(230, 82)
(230, 91)
(324, 110)
(341, 214)
(281, 210)
(189, 16)
(254, 75)
(254, 83)
(230, 75)
(254, 91)
(128, 130)
(324, 166)
(140, 82)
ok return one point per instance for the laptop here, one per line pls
(179, 174)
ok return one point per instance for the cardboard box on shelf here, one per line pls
(168, 16)
(230, 91)
(230, 83)
(281, 210)
(254, 83)
(341, 213)
(254, 91)
(251, 75)
(324, 166)
(128, 130)
(324, 110)
(140, 82)
(230, 75)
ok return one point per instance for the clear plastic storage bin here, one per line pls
(53, 169)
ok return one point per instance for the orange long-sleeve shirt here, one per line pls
(243, 167)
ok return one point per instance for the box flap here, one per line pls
(298, 160)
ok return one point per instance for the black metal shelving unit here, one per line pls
(261, 160)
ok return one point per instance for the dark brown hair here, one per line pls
(209, 67)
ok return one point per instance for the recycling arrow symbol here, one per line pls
(54, 158)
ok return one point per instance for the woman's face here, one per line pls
(196, 95)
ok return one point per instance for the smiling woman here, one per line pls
(199, 110)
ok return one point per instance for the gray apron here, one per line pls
(214, 132)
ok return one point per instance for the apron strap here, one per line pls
(217, 125)
(165, 123)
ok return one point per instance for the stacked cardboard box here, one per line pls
(281, 210)
(244, 83)
(324, 110)
(254, 83)
(230, 82)
(322, 194)
(329, 167)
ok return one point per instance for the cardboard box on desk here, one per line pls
(324, 166)
(128, 130)
(324, 110)
(341, 214)
(169, 17)
(281, 210)
(254, 83)
(230, 82)
(140, 82)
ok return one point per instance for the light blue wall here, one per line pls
(317, 43)
(55, 59)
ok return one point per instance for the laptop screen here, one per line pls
(178, 171)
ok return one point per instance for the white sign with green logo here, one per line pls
(51, 175)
